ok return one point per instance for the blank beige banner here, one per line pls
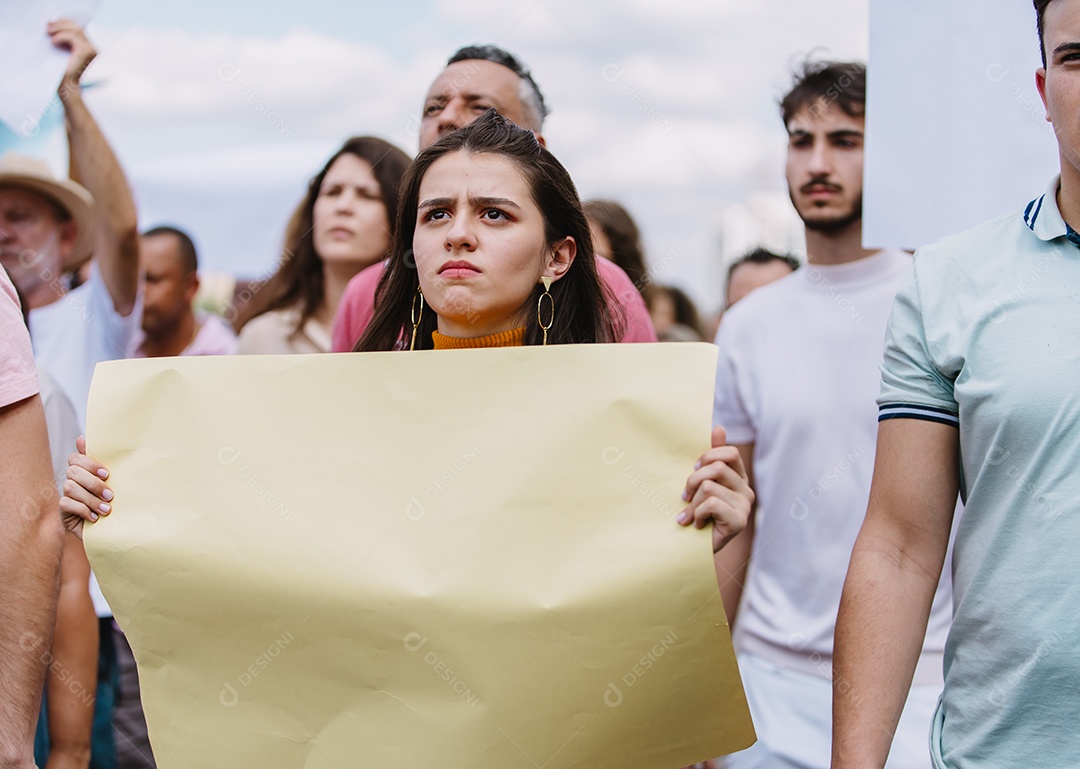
(464, 559)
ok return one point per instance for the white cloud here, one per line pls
(301, 85)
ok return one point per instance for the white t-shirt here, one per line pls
(78, 331)
(798, 376)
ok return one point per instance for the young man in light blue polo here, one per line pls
(980, 381)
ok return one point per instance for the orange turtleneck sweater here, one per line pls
(513, 338)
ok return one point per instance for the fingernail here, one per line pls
(103, 473)
(683, 517)
(103, 507)
(685, 496)
(107, 495)
(698, 465)
(93, 516)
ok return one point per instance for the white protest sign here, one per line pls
(955, 129)
(33, 65)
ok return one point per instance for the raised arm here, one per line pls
(29, 568)
(95, 166)
(890, 586)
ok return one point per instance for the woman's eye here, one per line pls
(494, 214)
(435, 215)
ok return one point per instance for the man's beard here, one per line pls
(834, 224)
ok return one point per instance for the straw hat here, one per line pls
(34, 175)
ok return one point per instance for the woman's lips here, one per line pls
(458, 269)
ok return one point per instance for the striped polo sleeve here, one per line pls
(912, 386)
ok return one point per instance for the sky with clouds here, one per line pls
(220, 111)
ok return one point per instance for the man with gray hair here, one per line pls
(477, 78)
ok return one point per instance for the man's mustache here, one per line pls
(820, 185)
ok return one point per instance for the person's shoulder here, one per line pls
(215, 337)
(53, 397)
(363, 283)
(766, 300)
(269, 331)
(981, 242)
(612, 274)
(761, 311)
(977, 261)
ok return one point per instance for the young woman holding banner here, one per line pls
(492, 249)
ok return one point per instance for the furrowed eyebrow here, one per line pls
(494, 202)
(476, 201)
(1067, 48)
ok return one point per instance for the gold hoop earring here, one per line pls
(415, 314)
(540, 304)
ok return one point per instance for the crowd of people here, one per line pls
(833, 483)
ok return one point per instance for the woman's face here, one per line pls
(350, 221)
(479, 244)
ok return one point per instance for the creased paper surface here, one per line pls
(465, 559)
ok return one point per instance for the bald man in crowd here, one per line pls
(476, 79)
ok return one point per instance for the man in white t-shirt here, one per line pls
(796, 388)
(48, 228)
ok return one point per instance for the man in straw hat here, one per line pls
(50, 227)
